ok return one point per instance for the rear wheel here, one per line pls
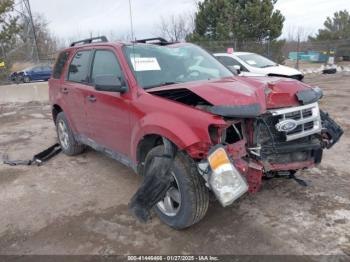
(66, 138)
(186, 202)
(26, 79)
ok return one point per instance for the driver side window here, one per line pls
(105, 63)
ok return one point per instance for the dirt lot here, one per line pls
(78, 205)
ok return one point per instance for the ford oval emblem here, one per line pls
(287, 125)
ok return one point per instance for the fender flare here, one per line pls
(70, 122)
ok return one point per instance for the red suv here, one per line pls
(126, 99)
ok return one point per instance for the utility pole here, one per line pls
(298, 51)
(29, 11)
(268, 44)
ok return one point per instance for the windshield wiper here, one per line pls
(269, 65)
(265, 66)
(161, 84)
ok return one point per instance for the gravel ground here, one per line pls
(78, 205)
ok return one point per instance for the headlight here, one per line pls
(225, 180)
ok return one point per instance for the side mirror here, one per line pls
(110, 83)
(236, 69)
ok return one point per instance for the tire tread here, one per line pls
(199, 191)
(75, 148)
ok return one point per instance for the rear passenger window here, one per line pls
(105, 63)
(79, 68)
(61, 61)
(227, 61)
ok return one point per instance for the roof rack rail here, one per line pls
(90, 40)
(155, 41)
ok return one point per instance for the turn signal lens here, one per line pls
(218, 158)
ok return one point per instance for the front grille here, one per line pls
(306, 118)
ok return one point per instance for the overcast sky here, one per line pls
(75, 19)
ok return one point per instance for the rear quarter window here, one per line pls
(61, 61)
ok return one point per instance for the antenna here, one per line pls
(133, 40)
(131, 22)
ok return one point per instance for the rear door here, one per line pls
(108, 112)
(75, 89)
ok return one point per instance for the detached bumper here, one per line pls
(331, 131)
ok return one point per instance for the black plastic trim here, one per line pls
(241, 111)
(123, 159)
(309, 96)
(102, 39)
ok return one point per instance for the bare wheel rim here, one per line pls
(171, 203)
(63, 134)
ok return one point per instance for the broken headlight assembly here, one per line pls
(225, 180)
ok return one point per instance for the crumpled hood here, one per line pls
(266, 92)
(280, 92)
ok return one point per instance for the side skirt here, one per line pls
(111, 153)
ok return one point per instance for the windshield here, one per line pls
(155, 65)
(257, 60)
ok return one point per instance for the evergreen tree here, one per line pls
(241, 20)
(336, 28)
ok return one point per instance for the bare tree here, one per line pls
(297, 33)
(176, 27)
(297, 40)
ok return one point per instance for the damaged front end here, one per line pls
(276, 143)
(280, 131)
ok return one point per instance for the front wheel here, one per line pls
(186, 202)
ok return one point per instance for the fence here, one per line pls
(316, 53)
(290, 52)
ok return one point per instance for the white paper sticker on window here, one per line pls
(145, 64)
(251, 62)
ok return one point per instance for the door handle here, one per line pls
(92, 98)
(64, 90)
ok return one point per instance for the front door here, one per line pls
(108, 112)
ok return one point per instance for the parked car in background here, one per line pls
(36, 73)
(251, 64)
(13, 77)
